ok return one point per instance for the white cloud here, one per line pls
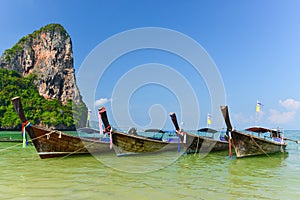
(102, 101)
(290, 104)
(278, 117)
(282, 117)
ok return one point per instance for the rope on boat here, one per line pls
(20, 143)
(84, 147)
(26, 124)
(46, 135)
(54, 131)
(259, 146)
(10, 147)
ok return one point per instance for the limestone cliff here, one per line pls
(48, 54)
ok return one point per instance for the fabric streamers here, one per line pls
(25, 141)
(110, 139)
(181, 138)
(100, 124)
(229, 143)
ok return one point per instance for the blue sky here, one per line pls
(254, 44)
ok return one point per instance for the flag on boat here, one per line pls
(258, 106)
(208, 119)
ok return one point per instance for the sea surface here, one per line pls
(159, 176)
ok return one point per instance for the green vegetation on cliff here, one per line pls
(36, 108)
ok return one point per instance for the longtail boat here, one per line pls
(53, 143)
(199, 144)
(248, 144)
(132, 143)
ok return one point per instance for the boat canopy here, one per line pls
(207, 130)
(258, 129)
(155, 130)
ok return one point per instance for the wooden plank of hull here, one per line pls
(201, 144)
(249, 145)
(197, 143)
(171, 147)
(51, 144)
(194, 144)
(138, 144)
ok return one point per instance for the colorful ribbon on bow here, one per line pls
(24, 125)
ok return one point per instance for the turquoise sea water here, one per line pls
(160, 176)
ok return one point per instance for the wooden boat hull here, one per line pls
(250, 145)
(51, 144)
(126, 143)
(200, 144)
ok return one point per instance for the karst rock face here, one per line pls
(48, 54)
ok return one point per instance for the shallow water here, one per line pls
(162, 176)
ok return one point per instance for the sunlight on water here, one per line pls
(215, 176)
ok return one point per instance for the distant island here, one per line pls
(39, 68)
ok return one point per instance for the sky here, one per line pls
(254, 45)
